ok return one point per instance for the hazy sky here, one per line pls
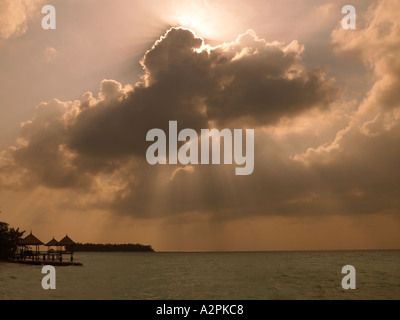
(76, 104)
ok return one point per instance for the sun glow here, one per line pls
(196, 22)
(203, 17)
(215, 21)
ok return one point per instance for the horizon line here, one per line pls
(263, 251)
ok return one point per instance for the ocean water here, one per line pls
(215, 276)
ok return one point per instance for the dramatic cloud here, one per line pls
(14, 16)
(374, 128)
(248, 80)
(87, 144)
(378, 45)
(361, 164)
(315, 153)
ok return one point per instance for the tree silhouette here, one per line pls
(9, 238)
(96, 247)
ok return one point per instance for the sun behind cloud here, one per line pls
(205, 18)
(196, 22)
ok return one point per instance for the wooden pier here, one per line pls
(46, 263)
(50, 257)
(54, 258)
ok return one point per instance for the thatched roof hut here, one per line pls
(52, 243)
(66, 241)
(30, 240)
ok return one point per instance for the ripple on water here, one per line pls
(285, 275)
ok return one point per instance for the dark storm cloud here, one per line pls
(260, 82)
(248, 79)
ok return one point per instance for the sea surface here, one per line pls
(211, 276)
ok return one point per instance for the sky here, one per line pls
(76, 104)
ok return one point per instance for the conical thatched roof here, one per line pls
(52, 243)
(66, 241)
(30, 240)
